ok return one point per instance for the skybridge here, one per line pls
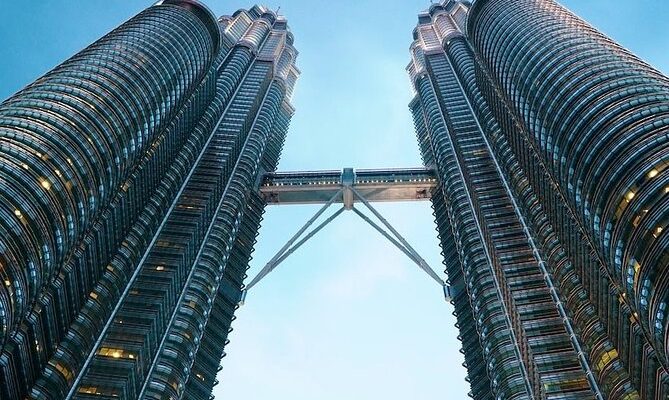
(318, 187)
(348, 187)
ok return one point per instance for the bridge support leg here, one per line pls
(286, 250)
(394, 237)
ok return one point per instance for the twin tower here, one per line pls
(130, 201)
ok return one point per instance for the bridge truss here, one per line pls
(347, 187)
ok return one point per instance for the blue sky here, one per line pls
(347, 316)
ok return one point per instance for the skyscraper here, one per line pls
(550, 143)
(127, 209)
(130, 199)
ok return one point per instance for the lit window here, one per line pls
(88, 390)
(45, 184)
(64, 371)
(606, 359)
(115, 353)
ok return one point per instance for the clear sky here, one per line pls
(347, 316)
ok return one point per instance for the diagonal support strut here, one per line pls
(414, 254)
(393, 236)
(286, 250)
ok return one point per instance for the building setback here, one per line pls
(550, 144)
(127, 215)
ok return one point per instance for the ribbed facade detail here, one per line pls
(58, 180)
(128, 204)
(558, 137)
(471, 345)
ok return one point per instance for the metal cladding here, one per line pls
(134, 176)
(318, 187)
(57, 181)
(550, 144)
(126, 215)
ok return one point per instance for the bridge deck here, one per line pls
(317, 187)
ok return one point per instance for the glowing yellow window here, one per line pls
(605, 359)
(637, 269)
(657, 231)
(88, 390)
(45, 184)
(64, 371)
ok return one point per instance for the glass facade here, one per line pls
(127, 202)
(550, 143)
